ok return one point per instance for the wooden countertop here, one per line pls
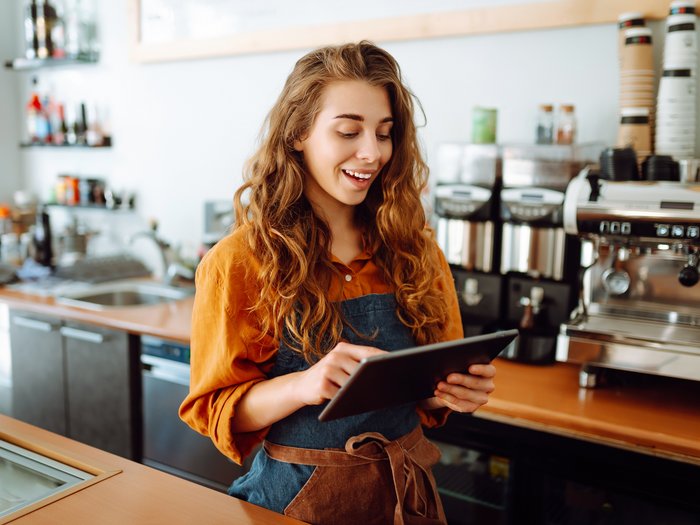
(647, 414)
(170, 320)
(137, 494)
(651, 415)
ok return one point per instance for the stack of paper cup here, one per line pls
(675, 131)
(634, 131)
(637, 81)
(624, 22)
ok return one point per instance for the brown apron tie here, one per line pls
(410, 467)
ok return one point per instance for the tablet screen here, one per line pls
(409, 375)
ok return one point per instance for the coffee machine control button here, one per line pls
(604, 227)
(662, 230)
(677, 231)
(693, 232)
(625, 228)
(614, 227)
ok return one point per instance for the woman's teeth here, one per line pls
(361, 176)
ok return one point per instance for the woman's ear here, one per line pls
(298, 145)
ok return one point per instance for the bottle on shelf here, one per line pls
(30, 37)
(37, 125)
(566, 124)
(42, 51)
(545, 124)
(70, 121)
(56, 29)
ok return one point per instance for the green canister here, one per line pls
(484, 125)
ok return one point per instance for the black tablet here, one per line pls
(410, 375)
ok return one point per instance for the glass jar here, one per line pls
(545, 124)
(566, 124)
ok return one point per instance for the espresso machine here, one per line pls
(538, 259)
(469, 230)
(640, 299)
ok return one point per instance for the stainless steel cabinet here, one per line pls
(38, 380)
(77, 380)
(101, 396)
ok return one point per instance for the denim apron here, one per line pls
(274, 484)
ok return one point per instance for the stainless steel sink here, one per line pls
(121, 294)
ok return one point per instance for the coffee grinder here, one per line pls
(469, 229)
(538, 259)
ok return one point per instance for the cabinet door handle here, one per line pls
(33, 324)
(83, 335)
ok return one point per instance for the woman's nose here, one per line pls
(369, 148)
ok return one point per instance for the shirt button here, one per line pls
(348, 277)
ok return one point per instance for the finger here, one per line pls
(483, 370)
(464, 394)
(358, 352)
(472, 382)
(336, 376)
(456, 404)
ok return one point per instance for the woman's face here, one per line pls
(347, 145)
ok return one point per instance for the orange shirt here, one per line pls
(226, 357)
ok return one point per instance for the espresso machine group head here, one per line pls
(639, 304)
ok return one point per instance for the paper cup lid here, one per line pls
(637, 31)
(684, 18)
(634, 112)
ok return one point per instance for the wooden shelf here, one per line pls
(27, 64)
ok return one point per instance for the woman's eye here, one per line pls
(381, 136)
(347, 135)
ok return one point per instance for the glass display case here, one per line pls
(27, 477)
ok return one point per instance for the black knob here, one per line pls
(688, 276)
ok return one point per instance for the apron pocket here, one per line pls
(346, 496)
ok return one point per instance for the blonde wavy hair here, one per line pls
(292, 243)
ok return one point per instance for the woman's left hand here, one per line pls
(466, 392)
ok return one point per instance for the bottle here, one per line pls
(81, 125)
(566, 125)
(58, 32)
(71, 29)
(30, 41)
(46, 108)
(43, 251)
(50, 19)
(37, 127)
(71, 123)
(40, 25)
(545, 124)
(59, 126)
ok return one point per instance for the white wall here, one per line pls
(183, 130)
(10, 170)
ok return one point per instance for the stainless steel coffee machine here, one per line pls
(640, 299)
(538, 259)
(469, 230)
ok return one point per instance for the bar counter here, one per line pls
(650, 415)
(136, 494)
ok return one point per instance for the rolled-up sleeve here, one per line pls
(227, 354)
(453, 330)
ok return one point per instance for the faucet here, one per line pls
(172, 269)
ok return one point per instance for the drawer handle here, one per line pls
(82, 335)
(33, 324)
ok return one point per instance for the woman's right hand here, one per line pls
(320, 382)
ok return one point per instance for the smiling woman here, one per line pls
(330, 262)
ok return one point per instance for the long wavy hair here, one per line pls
(292, 243)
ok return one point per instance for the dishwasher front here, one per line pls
(168, 443)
